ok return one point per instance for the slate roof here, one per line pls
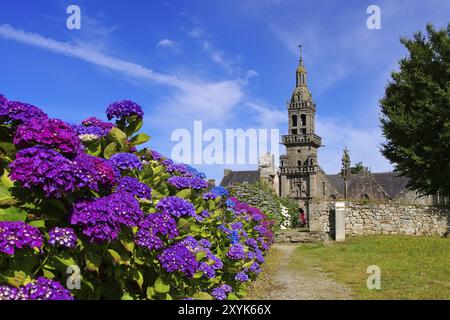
(391, 182)
(240, 177)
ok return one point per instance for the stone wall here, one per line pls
(379, 218)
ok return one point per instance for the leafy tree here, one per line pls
(357, 168)
(416, 112)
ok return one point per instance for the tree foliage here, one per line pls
(416, 112)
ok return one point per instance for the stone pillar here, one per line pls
(339, 218)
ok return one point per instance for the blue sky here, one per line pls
(229, 63)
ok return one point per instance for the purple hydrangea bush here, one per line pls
(136, 224)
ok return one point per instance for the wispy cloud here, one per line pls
(168, 44)
(363, 143)
(213, 100)
(267, 117)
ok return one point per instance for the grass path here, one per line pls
(288, 277)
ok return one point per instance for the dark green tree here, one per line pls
(416, 112)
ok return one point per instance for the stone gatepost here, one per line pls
(339, 218)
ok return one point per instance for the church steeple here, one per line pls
(301, 70)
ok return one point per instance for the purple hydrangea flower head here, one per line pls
(94, 172)
(217, 263)
(65, 237)
(91, 131)
(236, 252)
(124, 109)
(156, 155)
(237, 225)
(45, 289)
(95, 122)
(10, 293)
(185, 183)
(205, 214)
(101, 218)
(179, 258)
(18, 112)
(209, 196)
(252, 242)
(178, 168)
(207, 270)
(176, 206)
(44, 169)
(126, 161)
(220, 293)
(52, 133)
(152, 226)
(205, 243)
(135, 187)
(18, 234)
(241, 276)
(255, 267)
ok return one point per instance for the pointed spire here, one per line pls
(300, 61)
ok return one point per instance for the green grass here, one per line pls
(411, 267)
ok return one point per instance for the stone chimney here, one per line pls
(211, 183)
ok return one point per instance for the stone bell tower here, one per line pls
(299, 167)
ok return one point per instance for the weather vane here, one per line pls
(300, 46)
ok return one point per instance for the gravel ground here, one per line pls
(308, 282)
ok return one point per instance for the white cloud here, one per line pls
(213, 100)
(268, 117)
(167, 43)
(363, 143)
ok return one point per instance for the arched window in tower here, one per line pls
(303, 119)
(294, 120)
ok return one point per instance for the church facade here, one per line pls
(300, 176)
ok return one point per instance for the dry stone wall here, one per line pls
(379, 218)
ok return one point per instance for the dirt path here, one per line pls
(301, 280)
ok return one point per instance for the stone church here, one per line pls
(300, 175)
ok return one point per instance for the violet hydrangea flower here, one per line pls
(101, 218)
(95, 122)
(126, 161)
(220, 292)
(242, 277)
(65, 237)
(185, 183)
(123, 109)
(154, 225)
(179, 258)
(175, 206)
(236, 252)
(45, 169)
(45, 289)
(53, 133)
(18, 234)
(94, 172)
(8, 292)
(18, 112)
(135, 187)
